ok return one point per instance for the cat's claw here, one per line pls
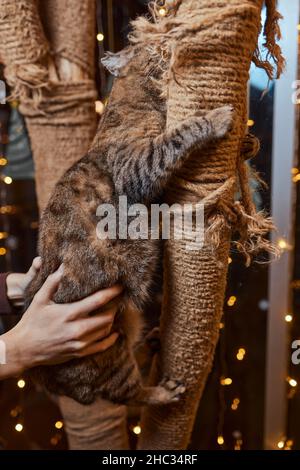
(174, 388)
(221, 119)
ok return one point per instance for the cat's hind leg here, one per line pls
(168, 391)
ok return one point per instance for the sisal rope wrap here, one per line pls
(48, 52)
(61, 130)
(24, 49)
(70, 28)
(209, 45)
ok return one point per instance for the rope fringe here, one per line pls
(27, 81)
(272, 34)
(252, 230)
(241, 217)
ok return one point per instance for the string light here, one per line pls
(281, 444)
(250, 123)
(295, 284)
(221, 325)
(15, 411)
(3, 251)
(283, 244)
(21, 383)
(225, 381)
(238, 440)
(3, 161)
(296, 178)
(220, 440)
(231, 301)
(289, 444)
(288, 318)
(137, 430)
(59, 424)
(292, 382)
(99, 107)
(8, 209)
(263, 304)
(162, 11)
(235, 404)
(241, 354)
(3, 235)
(294, 171)
(229, 260)
(7, 180)
(238, 444)
(100, 37)
(19, 427)
(54, 440)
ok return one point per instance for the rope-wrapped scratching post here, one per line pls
(55, 85)
(210, 45)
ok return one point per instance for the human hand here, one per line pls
(51, 333)
(16, 283)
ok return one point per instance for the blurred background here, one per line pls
(252, 398)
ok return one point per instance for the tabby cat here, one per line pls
(133, 155)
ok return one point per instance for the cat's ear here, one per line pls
(114, 63)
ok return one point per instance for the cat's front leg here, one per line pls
(171, 148)
(198, 131)
(141, 169)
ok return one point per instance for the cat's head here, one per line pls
(131, 60)
(117, 63)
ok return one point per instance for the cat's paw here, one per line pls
(168, 391)
(221, 120)
(173, 389)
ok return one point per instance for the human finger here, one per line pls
(93, 302)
